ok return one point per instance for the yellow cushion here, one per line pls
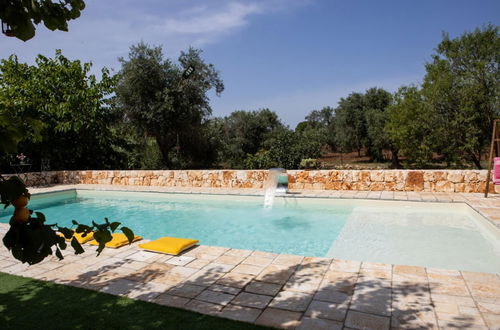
(169, 245)
(117, 241)
(79, 237)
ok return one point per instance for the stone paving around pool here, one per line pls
(287, 291)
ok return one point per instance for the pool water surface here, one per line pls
(441, 235)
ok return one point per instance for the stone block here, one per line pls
(414, 181)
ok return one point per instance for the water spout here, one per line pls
(276, 183)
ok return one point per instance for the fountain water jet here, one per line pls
(276, 184)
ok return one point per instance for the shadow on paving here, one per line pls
(339, 297)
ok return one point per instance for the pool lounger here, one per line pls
(169, 245)
(117, 241)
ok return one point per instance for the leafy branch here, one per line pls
(31, 240)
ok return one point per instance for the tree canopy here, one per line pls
(159, 101)
(21, 16)
(57, 102)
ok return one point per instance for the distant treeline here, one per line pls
(155, 113)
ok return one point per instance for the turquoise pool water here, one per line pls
(426, 234)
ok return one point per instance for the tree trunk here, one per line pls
(476, 160)
(395, 159)
(165, 145)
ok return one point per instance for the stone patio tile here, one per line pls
(287, 260)
(135, 265)
(408, 272)
(317, 261)
(473, 277)
(304, 284)
(229, 260)
(452, 289)
(104, 263)
(94, 279)
(262, 254)
(311, 270)
(459, 320)
(215, 250)
(213, 266)
(308, 323)
(332, 296)
(183, 271)
(486, 290)
(291, 300)
(198, 263)
(413, 196)
(186, 290)
(240, 313)
(125, 253)
(147, 291)
(219, 298)
(387, 195)
(257, 261)
(375, 265)
(345, 266)
(206, 256)
(144, 256)
(441, 307)
(170, 279)
(252, 300)
(488, 307)
(326, 310)
(49, 265)
(33, 271)
(7, 263)
(89, 260)
(373, 283)
(457, 300)
(150, 272)
(180, 261)
(247, 269)
(358, 320)
(444, 275)
(376, 273)
(277, 318)
(375, 301)
(275, 274)
(334, 276)
(172, 301)
(17, 268)
(264, 288)
(235, 280)
(238, 253)
(492, 320)
(119, 287)
(414, 316)
(203, 307)
(164, 258)
(224, 289)
(205, 277)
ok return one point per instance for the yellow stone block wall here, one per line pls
(365, 180)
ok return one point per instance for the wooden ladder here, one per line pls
(495, 140)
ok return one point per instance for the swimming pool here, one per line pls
(441, 235)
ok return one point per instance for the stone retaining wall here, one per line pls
(368, 180)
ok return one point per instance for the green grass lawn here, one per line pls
(31, 304)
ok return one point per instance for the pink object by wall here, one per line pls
(496, 170)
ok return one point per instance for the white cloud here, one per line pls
(204, 25)
(206, 20)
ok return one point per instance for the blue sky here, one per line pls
(291, 56)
